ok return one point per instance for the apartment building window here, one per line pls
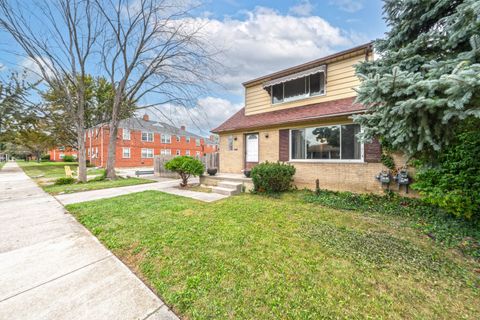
(166, 152)
(147, 153)
(126, 134)
(63, 155)
(147, 136)
(126, 153)
(298, 88)
(178, 138)
(187, 139)
(326, 143)
(230, 143)
(166, 138)
(187, 152)
(197, 142)
(197, 153)
(178, 152)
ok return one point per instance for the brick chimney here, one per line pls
(145, 117)
(182, 128)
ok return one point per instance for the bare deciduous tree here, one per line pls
(58, 36)
(153, 50)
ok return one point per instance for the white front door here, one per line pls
(252, 147)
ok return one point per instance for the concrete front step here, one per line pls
(225, 191)
(230, 185)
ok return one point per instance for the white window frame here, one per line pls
(302, 97)
(187, 152)
(163, 138)
(164, 152)
(362, 154)
(187, 139)
(178, 152)
(198, 142)
(148, 133)
(129, 153)
(147, 156)
(125, 134)
(197, 153)
(178, 138)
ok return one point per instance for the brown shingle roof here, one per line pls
(305, 113)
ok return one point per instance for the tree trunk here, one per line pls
(112, 141)
(82, 159)
(112, 144)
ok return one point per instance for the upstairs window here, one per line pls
(303, 87)
(166, 138)
(187, 139)
(147, 136)
(197, 142)
(126, 134)
(178, 138)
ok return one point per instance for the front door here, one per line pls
(251, 150)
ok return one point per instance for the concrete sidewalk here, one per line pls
(51, 267)
(164, 186)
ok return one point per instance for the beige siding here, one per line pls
(341, 80)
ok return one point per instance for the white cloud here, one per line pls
(209, 113)
(33, 70)
(303, 8)
(348, 5)
(266, 41)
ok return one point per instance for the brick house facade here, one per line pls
(140, 139)
(303, 116)
(59, 153)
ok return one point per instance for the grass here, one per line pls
(45, 173)
(52, 170)
(1, 165)
(253, 257)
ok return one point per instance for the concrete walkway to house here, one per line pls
(164, 186)
(51, 267)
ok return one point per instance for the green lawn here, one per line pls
(253, 257)
(52, 170)
(45, 173)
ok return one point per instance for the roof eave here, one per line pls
(367, 46)
(307, 119)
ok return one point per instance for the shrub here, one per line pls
(185, 166)
(46, 157)
(453, 182)
(64, 180)
(68, 159)
(272, 177)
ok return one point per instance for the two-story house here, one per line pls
(140, 139)
(303, 115)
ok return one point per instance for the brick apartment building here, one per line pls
(59, 153)
(140, 139)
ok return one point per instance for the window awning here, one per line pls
(294, 76)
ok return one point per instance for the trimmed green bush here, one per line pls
(69, 158)
(185, 166)
(270, 177)
(46, 157)
(64, 180)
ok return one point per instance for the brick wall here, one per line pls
(354, 177)
(97, 143)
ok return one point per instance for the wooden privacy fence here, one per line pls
(210, 160)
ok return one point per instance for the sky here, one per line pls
(258, 38)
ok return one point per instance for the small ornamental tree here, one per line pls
(186, 167)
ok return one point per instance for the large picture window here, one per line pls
(326, 143)
(303, 87)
